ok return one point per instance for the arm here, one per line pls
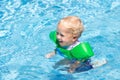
(52, 36)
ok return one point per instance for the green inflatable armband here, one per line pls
(82, 51)
(52, 36)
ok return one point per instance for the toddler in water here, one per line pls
(66, 36)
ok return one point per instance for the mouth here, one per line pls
(60, 41)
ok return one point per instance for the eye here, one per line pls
(62, 35)
(57, 33)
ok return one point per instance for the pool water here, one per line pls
(24, 38)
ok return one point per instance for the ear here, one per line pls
(75, 38)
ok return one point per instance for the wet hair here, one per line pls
(74, 24)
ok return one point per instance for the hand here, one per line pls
(71, 70)
(49, 55)
(73, 66)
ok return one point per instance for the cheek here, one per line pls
(67, 39)
(64, 39)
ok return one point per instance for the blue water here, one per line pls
(24, 40)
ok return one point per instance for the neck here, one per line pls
(73, 45)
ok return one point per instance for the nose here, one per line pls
(58, 36)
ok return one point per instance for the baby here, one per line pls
(66, 37)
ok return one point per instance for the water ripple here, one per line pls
(30, 73)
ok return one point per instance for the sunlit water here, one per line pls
(24, 37)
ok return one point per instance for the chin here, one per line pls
(62, 45)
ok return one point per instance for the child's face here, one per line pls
(65, 38)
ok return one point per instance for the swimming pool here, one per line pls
(24, 30)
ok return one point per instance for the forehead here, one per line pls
(63, 28)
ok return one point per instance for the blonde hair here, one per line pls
(74, 24)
